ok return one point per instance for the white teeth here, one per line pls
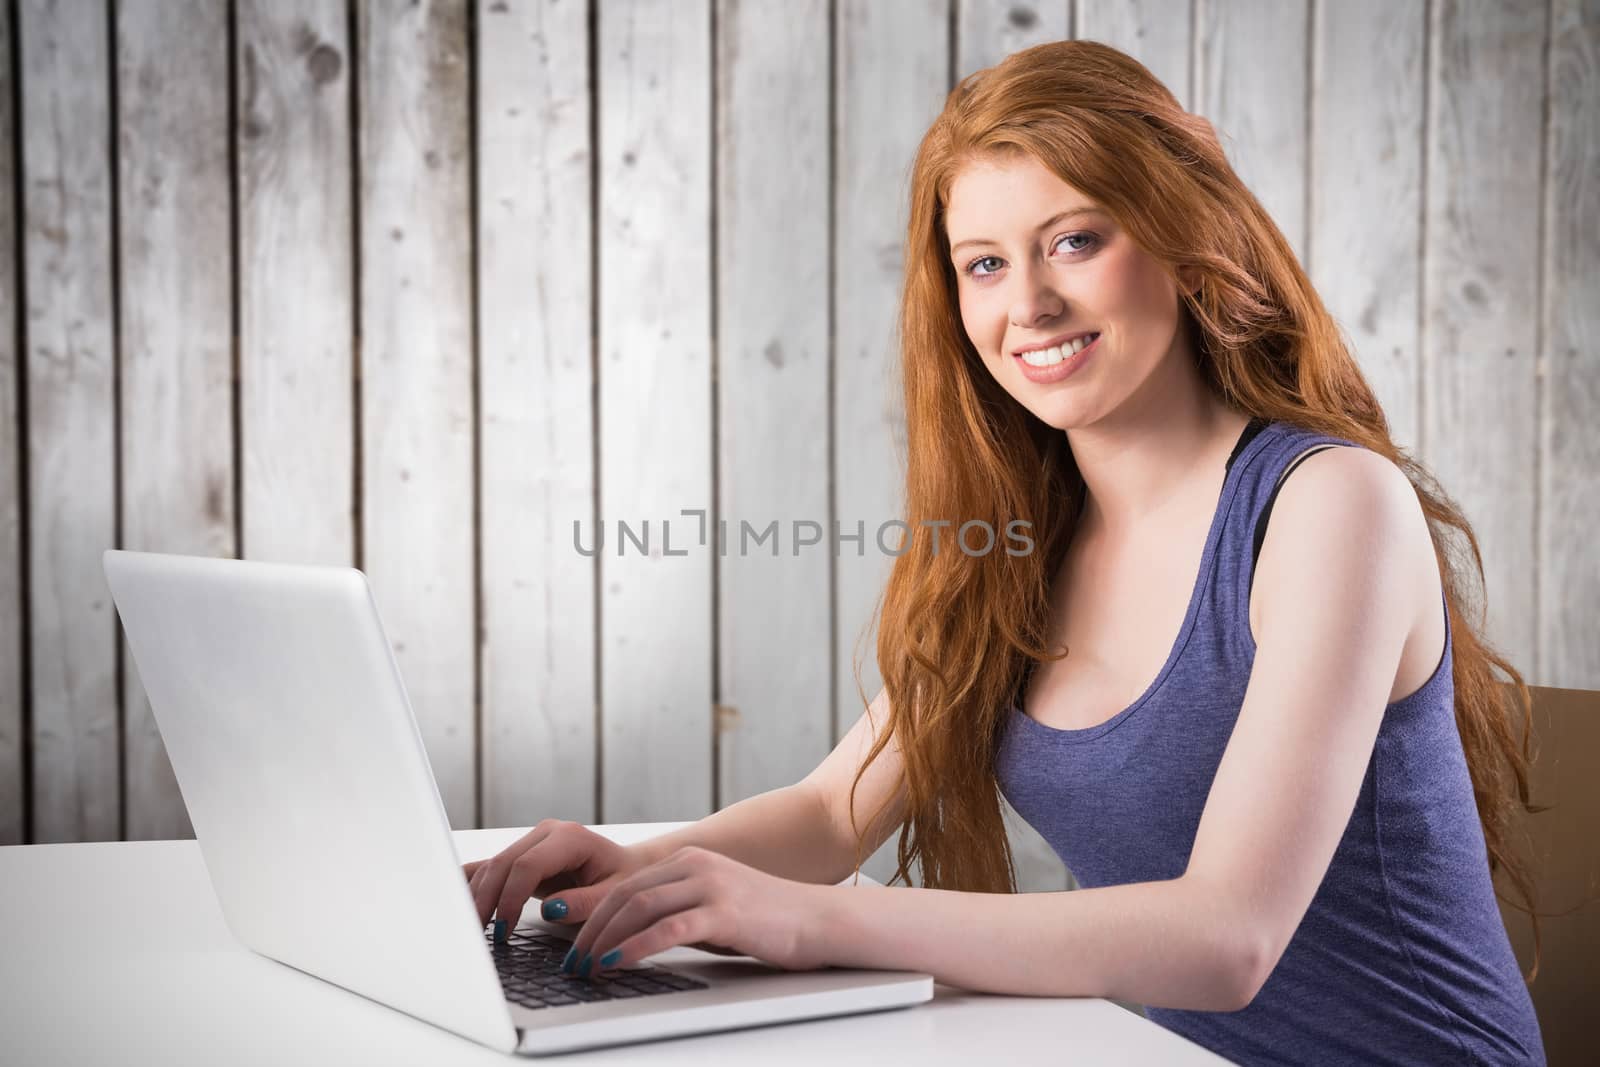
(1046, 357)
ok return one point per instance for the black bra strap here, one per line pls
(1261, 523)
(1253, 427)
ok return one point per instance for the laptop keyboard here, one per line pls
(530, 972)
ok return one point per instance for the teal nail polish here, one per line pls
(610, 958)
(553, 909)
(566, 964)
(583, 968)
(499, 931)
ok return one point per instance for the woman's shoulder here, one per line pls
(1349, 482)
(1344, 464)
(1347, 497)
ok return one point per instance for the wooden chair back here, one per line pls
(1564, 851)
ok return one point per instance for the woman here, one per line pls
(1274, 754)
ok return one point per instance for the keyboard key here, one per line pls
(640, 982)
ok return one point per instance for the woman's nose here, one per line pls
(1036, 301)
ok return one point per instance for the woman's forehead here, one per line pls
(986, 203)
(988, 186)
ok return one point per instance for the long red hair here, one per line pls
(957, 631)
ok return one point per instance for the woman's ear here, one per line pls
(1188, 280)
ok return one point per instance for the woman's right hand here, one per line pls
(556, 860)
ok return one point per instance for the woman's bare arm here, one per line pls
(833, 777)
(1348, 536)
(784, 831)
(801, 831)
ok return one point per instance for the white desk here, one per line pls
(118, 952)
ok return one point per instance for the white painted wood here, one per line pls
(176, 330)
(773, 160)
(892, 71)
(535, 239)
(296, 281)
(13, 812)
(1489, 430)
(1481, 290)
(1366, 191)
(989, 30)
(416, 367)
(1569, 492)
(655, 425)
(1251, 76)
(71, 458)
(1158, 33)
(891, 60)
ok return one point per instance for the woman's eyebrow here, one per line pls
(1046, 224)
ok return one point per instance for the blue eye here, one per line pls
(1089, 241)
(974, 263)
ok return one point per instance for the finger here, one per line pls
(683, 927)
(471, 868)
(552, 855)
(577, 900)
(720, 950)
(672, 869)
(641, 910)
(561, 883)
(491, 877)
(473, 885)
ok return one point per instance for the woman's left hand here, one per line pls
(703, 899)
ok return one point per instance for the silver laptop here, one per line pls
(300, 763)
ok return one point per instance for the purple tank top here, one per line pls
(1402, 956)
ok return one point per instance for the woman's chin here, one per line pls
(1060, 414)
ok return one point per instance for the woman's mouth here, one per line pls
(1046, 365)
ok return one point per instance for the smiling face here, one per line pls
(1046, 264)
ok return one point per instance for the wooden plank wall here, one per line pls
(537, 420)
(449, 290)
(898, 56)
(72, 708)
(12, 804)
(175, 329)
